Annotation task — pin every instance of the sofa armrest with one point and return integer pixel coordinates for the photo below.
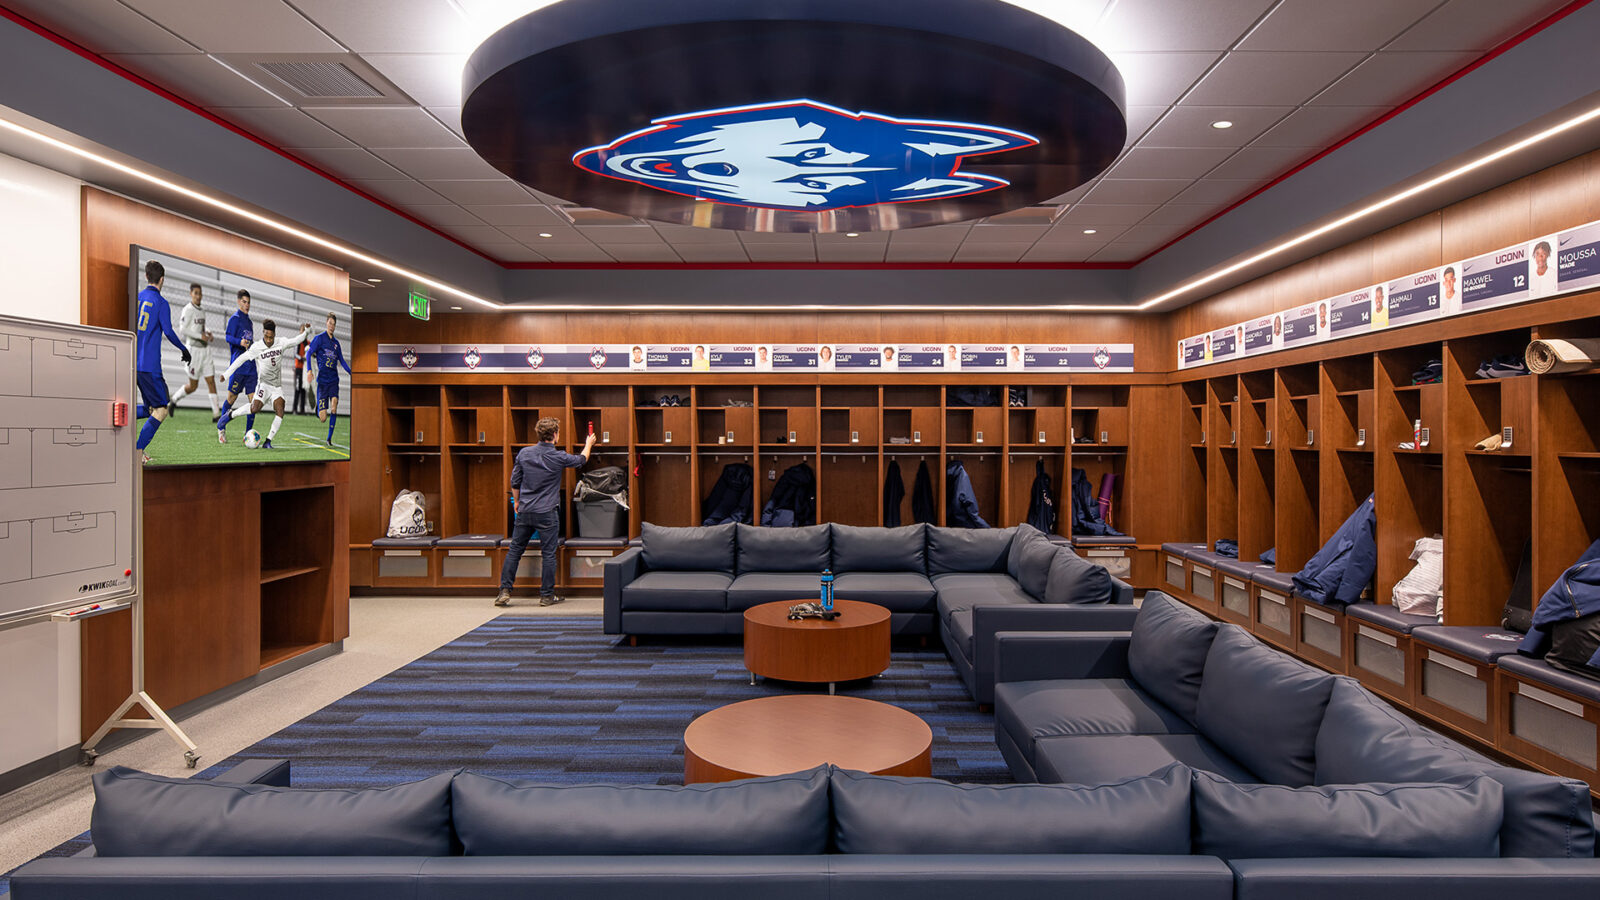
(274, 772)
(1407, 879)
(619, 572)
(1121, 592)
(987, 621)
(1050, 655)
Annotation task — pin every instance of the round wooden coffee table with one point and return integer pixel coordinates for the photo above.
(795, 732)
(855, 645)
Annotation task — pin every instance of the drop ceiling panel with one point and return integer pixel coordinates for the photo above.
(204, 81)
(830, 252)
(918, 253)
(1215, 192)
(450, 117)
(1159, 79)
(994, 234)
(1183, 214)
(387, 127)
(503, 192)
(431, 79)
(513, 253)
(406, 194)
(284, 126)
(935, 234)
(440, 164)
(609, 235)
(683, 235)
(1260, 164)
(971, 252)
(1149, 190)
(1190, 126)
(1474, 24)
(1270, 79)
(576, 253)
(446, 214)
(1168, 26)
(1318, 126)
(476, 234)
(1120, 253)
(106, 26)
(1388, 78)
(239, 26)
(391, 26)
(711, 253)
(1169, 162)
(355, 164)
(780, 252)
(768, 237)
(1101, 215)
(1074, 233)
(1346, 25)
(642, 253)
(1140, 118)
(531, 217)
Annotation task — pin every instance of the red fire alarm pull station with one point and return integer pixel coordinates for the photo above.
(119, 413)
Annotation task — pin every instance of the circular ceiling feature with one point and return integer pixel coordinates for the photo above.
(794, 115)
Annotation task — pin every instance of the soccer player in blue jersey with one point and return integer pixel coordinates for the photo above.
(154, 320)
(328, 355)
(241, 333)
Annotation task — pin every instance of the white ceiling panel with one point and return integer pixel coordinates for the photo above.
(559, 234)
(1215, 192)
(1169, 162)
(504, 192)
(683, 235)
(450, 116)
(781, 252)
(831, 252)
(197, 78)
(1190, 126)
(1260, 164)
(441, 164)
(1120, 253)
(1159, 79)
(1140, 118)
(391, 26)
(1113, 191)
(1150, 235)
(611, 235)
(971, 252)
(994, 234)
(918, 253)
(751, 238)
(1270, 79)
(932, 234)
(1060, 252)
(476, 234)
(1474, 24)
(283, 126)
(1318, 126)
(441, 213)
(1073, 233)
(431, 79)
(1100, 215)
(532, 217)
(405, 193)
(104, 26)
(1074, 195)
(513, 253)
(353, 164)
(642, 253)
(575, 253)
(711, 253)
(387, 127)
(1346, 25)
(1184, 214)
(239, 26)
(1185, 25)
(1389, 78)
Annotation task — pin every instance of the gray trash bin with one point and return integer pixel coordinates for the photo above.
(601, 518)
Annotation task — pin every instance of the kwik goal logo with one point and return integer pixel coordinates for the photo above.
(804, 155)
(99, 586)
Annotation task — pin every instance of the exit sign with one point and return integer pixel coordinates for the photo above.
(418, 307)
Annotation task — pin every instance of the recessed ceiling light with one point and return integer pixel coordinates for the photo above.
(852, 234)
(455, 307)
(1222, 123)
(375, 281)
(545, 234)
(355, 307)
(1089, 230)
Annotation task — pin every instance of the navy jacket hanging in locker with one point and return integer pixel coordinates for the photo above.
(1086, 508)
(1566, 623)
(962, 502)
(794, 499)
(924, 509)
(894, 491)
(1041, 502)
(729, 500)
(1344, 567)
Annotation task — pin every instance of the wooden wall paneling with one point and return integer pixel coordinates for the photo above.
(1343, 269)
(366, 444)
(1222, 467)
(1566, 474)
(1487, 221)
(1564, 195)
(1298, 458)
(1257, 464)
(1408, 247)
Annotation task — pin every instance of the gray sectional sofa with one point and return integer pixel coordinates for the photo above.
(1088, 708)
(826, 833)
(701, 580)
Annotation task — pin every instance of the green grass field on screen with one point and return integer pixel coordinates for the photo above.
(189, 438)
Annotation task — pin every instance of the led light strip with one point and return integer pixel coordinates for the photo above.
(419, 278)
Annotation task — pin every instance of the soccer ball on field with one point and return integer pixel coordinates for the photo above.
(252, 439)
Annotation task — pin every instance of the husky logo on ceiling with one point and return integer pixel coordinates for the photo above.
(803, 155)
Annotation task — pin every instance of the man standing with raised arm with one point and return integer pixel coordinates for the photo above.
(536, 491)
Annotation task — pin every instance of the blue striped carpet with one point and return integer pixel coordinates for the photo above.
(553, 699)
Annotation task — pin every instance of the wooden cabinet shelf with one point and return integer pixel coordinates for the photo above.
(270, 575)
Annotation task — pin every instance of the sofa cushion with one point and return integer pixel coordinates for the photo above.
(1262, 707)
(1073, 579)
(778, 815)
(1364, 739)
(1106, 758)
(677, 592)
(959, 623)
(879, 814)
(960, 591)
(756, 588)
(894, 591)
(1270, 821)
(1167, 655)
(968, 549)
(861, 549)
(785, 549)
(138, 814)
(700, 549)
(1029, 561)
(1030, 710)
(1482, 643)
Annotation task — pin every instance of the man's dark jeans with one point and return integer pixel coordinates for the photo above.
(548, 524)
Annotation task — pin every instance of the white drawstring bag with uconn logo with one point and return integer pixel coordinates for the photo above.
(408, 517)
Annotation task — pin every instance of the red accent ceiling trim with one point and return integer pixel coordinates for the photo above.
(1448, 80)
(110, 66)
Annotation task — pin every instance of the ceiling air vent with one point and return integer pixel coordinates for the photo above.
(321, 80)
(1028, 215)
(583, 215)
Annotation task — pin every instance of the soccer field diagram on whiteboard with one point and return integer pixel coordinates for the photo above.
(69, 501)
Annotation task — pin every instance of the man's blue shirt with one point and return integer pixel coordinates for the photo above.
(154, 320)
(241, 334)
(326, 351)
(536, 476)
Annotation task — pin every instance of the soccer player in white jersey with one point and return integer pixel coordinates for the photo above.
(192, 328)
(267, 354)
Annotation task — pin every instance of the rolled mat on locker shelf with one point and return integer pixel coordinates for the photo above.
(1554, 356)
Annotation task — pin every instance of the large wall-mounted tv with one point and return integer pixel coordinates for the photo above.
(311, 385)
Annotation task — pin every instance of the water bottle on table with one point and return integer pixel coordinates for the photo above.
(827, 590)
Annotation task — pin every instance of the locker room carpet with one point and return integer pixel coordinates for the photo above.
(553, 699)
